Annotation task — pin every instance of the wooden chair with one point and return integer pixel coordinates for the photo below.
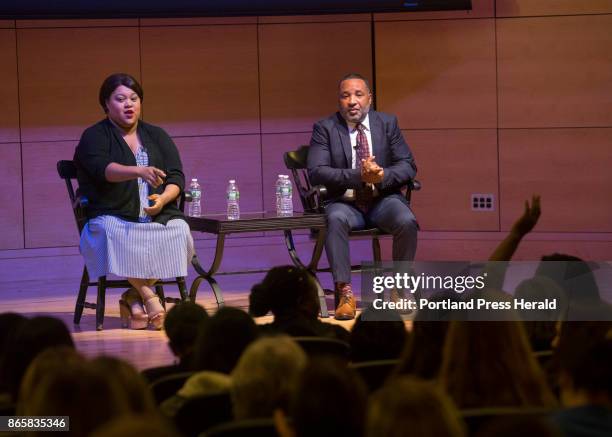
(68, 172)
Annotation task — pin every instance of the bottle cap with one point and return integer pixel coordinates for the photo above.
(232, 181)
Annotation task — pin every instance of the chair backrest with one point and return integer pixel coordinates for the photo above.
(375, 373)
(203, 412)
(68, 172)
(318, 346)
(478, 418)
(167, 386)
(244, 428)
(296, 161)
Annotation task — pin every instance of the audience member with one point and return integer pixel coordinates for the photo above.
(130, 382)
(150, 425)
(290, 293)
(409, 406)
(586, 391)
(181, 325)
(490, 364)
(266, 377)
(422, 354)
(377, 335)
(9, 325)
(220, 343)
(33, 336)
(329, 400)
(76, 389)
(573, 275)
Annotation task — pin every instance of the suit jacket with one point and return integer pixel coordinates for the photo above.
(330, 155)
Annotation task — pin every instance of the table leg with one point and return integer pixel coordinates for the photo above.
(208, 274)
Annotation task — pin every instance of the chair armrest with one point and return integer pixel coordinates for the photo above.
(315, 197)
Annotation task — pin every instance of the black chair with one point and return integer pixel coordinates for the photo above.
(322, 346)
(68, 172)
(244, 428)
(479, 418)
(203, 412)
(375, 373)
(313, 197)
(167, 386)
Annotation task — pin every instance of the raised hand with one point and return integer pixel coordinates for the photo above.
(530, 217)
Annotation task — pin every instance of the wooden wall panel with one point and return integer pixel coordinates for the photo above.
(215, 160)
(60, 73)
(480, 9)
(9, 110)
(515, 8)
(300, 66)
(48, 216)
(201, 80)
(7, 24)
(569, 168)
(555, 72)
(11, 218)
(437, 74)
(453, 164)
(273, 148)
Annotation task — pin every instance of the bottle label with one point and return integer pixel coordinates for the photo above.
(233, 195)
(196, 194)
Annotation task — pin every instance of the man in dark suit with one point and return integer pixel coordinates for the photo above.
(363, 160)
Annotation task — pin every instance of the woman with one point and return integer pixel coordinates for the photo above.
(131, 174)
(290, 293)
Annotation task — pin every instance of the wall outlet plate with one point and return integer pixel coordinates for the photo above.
(483, 202)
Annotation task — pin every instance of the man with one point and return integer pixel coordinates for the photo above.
(363, 160)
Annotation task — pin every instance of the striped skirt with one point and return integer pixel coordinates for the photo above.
(136, 250)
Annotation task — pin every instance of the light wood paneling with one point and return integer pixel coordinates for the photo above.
(9, 110)
(111, 22)
(515, 8)
(569, 168)
(555, 72)
(274, 146)
(60, 73)
(201, 80)
(300, 67)
(215, 160)
(330, 18)
(437, 74)
(480, 9)
(452, 165)
(48, 216)
(11, 218)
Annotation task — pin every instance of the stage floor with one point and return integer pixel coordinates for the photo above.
(144, 348)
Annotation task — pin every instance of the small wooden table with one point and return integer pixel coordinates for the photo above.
(219, 225)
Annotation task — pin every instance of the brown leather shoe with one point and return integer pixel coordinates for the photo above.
(346, 308)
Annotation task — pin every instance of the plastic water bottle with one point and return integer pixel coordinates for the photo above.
(233, 195)
(195, 206)
(279, 183)
(286, 197)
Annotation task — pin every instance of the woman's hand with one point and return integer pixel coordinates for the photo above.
(157, 206)
(152, 176)
(530, 217)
